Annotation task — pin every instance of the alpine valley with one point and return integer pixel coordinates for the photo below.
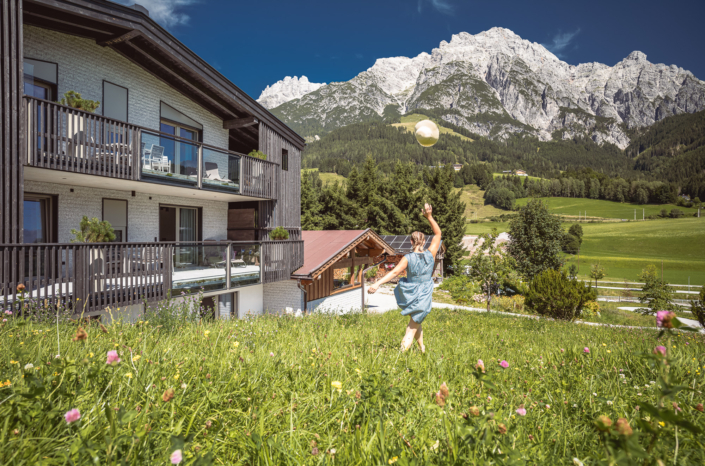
(495, 84)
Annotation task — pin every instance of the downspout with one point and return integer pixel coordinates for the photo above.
(303, 288)
(384, 258)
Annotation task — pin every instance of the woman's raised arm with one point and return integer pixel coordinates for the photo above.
(436, 241)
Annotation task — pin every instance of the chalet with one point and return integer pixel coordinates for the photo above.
(161, 153)
(457, 167)
(333, 274)
(520, 173)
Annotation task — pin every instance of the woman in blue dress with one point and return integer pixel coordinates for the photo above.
(414, 292)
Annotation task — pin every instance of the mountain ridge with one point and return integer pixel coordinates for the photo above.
(495, 83)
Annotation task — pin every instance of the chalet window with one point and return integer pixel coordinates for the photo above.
(40, 79)
(114, 101)
(40, 218)
(115, 212)
(285, 159)
(347, 277)
(182, 156)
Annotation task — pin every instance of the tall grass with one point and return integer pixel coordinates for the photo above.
(264, 391)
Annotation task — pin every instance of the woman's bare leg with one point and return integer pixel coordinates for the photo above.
(419, 338)
(410, 335)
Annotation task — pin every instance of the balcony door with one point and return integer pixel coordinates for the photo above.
(180, 224)
(180, 155)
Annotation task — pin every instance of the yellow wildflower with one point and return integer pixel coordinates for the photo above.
(236, 344)
(337, 385)
(136, 358)
(128, 375)
(176, 377)
(91, 355)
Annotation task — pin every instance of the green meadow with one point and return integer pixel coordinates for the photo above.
(598, 208)
(325, 390)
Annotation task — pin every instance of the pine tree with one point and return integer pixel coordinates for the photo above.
(338, 212)
(407, 191)
(310, 205)
(448, 211)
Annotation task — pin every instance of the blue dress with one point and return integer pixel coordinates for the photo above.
(415, 292)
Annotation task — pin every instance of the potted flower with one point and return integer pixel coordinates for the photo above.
(95, 231)
(77, 123)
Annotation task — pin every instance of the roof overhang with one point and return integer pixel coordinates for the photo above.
(139, 38)
(367, 238)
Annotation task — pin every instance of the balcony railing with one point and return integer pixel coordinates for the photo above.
(90, 277)
(64, 138)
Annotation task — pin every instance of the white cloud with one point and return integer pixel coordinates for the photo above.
(165, 12)
(442, 6)
(560, 42)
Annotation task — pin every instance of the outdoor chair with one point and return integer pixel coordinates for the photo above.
(160, 161)
(212, 173)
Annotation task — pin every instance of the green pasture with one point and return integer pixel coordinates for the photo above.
(329, 389)
(598, 208)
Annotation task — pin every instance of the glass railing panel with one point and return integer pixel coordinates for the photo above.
(198, 267)
(245, 265)
(221, 170)
(169, 158)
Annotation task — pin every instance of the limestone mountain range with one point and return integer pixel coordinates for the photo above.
(495, 83)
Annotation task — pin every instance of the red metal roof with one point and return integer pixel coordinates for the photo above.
(321, 246)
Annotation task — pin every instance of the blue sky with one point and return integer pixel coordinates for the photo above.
(256, 43)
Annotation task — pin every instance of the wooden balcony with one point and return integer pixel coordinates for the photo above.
(64, 138)
(87, 278)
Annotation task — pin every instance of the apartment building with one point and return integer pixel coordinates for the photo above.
(163, 157)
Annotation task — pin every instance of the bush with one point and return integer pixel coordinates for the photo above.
(553, 294)
(571, 244)
(591, 309)
(461, 288)
(258, 155)
(577, 231)
(509, 303)
(676, 213)
(279, 233)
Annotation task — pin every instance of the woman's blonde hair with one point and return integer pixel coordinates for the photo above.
(417, 239)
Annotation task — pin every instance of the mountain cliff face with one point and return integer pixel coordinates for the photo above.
(285, 90)
(495, 83)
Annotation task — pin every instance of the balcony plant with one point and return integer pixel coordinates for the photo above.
(258, 155)
(73, 99)
(93, 231)
(279, 233)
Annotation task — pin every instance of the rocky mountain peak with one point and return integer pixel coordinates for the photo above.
(636, 56)
(285, 90)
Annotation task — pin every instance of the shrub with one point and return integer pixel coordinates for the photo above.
(591, 309)
(676, 213)
(73, 99)
(258, 155)
(577, 231)
(571, 244)
(461, 288)
(698, 307)
(509, 303)
(553, 294)
(279, 233)
(93, 231)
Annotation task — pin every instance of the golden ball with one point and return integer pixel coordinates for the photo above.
(426, 133)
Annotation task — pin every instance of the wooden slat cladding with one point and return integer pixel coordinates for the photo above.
(84, 277)
(281, 259)
(64, 138)
(288, 199)
(259, 178)
(11, 122)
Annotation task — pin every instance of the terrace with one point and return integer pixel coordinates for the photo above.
(89, 277)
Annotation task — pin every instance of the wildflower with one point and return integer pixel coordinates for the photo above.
(548, 406)
(603, 423)
(664, 319)
(609, 402)
(577, 462)
(128, 375)
(586, 350)
(393, 460)
(113, 357)
(20, 288)
(699, 407)
(176, 377)
(336, 385)
(521, 411)
(236, 344)
(28, 366)
(136, 358)
(184, 386)
(168, 395)
(504, 364)
(480, 366)
(622, 427)
(13, 362)
(444, 390)
(8, 313)
(562, 350)
(440, 401)
(80, 335)
(72, 416)
(660, 350)
(175, 457)
(502, 429)
(314, 451)
(271, 354)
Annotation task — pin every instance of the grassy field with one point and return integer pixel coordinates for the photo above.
(475, 206)
(327, 177)
(597, 208)
(625, 248)
(408, 122)
(336, 390)
(496, 175)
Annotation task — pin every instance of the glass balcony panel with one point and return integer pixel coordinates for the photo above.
(169, 158)
(198, 267)
(221, 170)
(245, 265)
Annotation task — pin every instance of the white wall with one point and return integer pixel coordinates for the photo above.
(142, 213)
(280, 295)
(250, 301)
(339, 303)
(83, 65)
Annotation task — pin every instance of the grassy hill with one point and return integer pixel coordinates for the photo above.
(624, 248)
(475, 206)
(408, 122)
(597, 208)
(326, 177)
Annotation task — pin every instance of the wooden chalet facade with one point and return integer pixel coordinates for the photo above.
(163, 158)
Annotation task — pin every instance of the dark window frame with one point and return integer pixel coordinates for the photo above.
(127, 215)
(54, 87)
(52, 212)
(285, 160)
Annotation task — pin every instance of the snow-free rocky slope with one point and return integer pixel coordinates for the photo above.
(495, 83)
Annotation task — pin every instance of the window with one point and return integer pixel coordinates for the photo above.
(114, 101)
(115, 212)
(285, 159)
(39, 218)
(40, 79)
(347, 277)
(182, 156)
(178, 223)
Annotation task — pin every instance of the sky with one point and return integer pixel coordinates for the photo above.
(256, 43)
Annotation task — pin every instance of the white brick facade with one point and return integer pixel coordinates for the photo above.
(83, 65)
(339, 303)
(280, 295)
(142, 213)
